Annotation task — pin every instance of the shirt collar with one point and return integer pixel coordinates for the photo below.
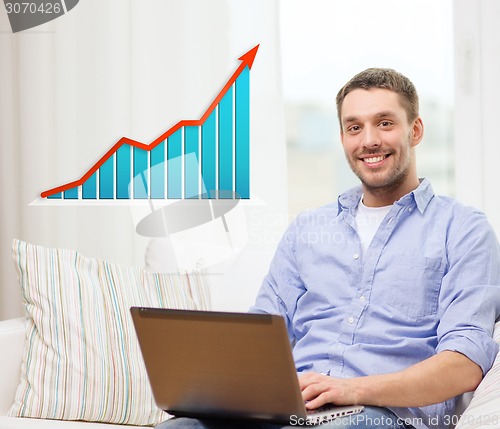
(421, 197)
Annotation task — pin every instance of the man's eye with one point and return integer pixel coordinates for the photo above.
(386, 123)
(354, 128)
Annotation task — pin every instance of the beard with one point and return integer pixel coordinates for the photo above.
(386, 185)
(384, 182)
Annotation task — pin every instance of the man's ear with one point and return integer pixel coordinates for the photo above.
(417, 131)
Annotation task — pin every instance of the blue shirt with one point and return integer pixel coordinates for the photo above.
(429, 281)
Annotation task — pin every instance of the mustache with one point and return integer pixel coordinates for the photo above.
(375, 152)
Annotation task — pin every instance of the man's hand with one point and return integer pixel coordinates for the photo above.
(431, 381)
(318, 389)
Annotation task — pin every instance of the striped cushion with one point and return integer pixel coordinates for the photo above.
(484, 409)
(82, 360)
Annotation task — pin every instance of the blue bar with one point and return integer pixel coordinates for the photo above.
(89, 188)
(242, 134)
(71, 194)
(174, 165)
(57, 196)
(226, 145)
(208, 173)
(140, 167)
(107, 179)
(191, 163)
(157, 171)
(123, 172)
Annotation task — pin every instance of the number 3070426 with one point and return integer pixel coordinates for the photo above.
(26, 8)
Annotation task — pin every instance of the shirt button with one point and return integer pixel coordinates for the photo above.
(355, 256)
(410, 209)
(362, 298)
(350, 320)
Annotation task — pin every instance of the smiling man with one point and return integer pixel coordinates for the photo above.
(390, 294)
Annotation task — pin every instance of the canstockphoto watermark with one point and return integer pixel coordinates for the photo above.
(307, 238)
(28, 14)
(357, 419)
(482, 420)
(308, 228)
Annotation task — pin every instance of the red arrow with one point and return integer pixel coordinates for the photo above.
(246, 61)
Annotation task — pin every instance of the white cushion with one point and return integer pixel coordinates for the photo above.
(484, 409)
(82, 360)
(160, 256)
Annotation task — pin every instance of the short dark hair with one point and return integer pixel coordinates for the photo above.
(382, 78)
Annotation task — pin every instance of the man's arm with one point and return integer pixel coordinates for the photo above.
(433, 380)
(473, 277)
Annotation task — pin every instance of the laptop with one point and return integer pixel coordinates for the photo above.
(206, 364)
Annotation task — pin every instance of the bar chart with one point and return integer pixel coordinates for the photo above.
(208, 158)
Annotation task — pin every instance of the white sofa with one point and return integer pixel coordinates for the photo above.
(11, 350)
(483, 412)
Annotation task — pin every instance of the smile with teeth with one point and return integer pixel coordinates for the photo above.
(374, 159)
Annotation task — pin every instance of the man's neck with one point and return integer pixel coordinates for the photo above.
(379, 197)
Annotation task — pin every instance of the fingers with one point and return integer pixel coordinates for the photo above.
(307, 378)
(315, 389)
(319, 401)
(316, 395)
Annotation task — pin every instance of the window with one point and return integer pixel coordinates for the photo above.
(324, 44)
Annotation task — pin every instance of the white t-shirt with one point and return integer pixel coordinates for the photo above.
(368, 219)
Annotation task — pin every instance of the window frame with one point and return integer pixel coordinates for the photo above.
(477, 90)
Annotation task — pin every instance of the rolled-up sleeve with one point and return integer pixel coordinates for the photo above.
(470, 291)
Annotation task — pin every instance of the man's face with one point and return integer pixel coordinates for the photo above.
(378, 140)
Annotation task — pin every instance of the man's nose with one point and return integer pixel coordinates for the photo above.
(371, 137)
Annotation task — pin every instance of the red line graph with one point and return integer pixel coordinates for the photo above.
(246, 61)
